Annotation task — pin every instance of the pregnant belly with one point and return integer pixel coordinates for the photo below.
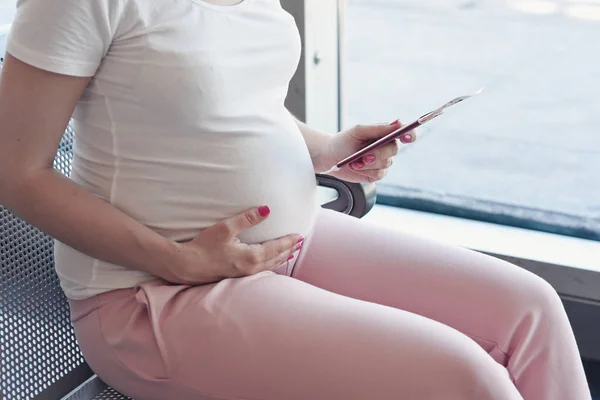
(180, 198)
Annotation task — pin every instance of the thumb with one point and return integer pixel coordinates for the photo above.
(374, 132)
(246, 220)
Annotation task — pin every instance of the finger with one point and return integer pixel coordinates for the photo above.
(378, 159)
(250, 260)
(267, 264)
(374, 175)
(282, 258)
(383, 163)
(372, 132)
(237, 224)
(277, 247)
(255, 258)
(409, 137)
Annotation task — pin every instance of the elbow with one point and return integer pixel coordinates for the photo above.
(6, 172)
(18, 175)
(13, 181)
(6, 185)
(5, 180)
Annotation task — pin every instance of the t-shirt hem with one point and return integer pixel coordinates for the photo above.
(49, 63)
(83, 293)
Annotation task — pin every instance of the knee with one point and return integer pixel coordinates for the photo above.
(539, 298)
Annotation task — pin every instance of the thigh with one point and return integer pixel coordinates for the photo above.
(272, 337)
(479, 295)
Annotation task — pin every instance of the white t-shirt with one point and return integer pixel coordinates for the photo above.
(183, 123)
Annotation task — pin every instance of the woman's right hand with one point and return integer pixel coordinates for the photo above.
(217, 253)
(33, 190)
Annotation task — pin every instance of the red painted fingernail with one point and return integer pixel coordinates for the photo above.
(369, 159)
(301, 240)
(396, 122)
(299, 247)
(264, 211)
(406, 139)
(359, 165)
(290, 257)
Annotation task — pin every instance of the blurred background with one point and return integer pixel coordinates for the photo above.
(7, 11)
(524, 153)
(527, 151)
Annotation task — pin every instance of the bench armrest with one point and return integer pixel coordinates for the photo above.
(355, 199)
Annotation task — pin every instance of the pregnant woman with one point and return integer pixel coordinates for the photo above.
(196, 260)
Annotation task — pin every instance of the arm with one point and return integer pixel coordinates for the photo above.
(327, 149)
(317, 143)
(35, 107)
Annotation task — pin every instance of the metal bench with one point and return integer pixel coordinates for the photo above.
(40, 358)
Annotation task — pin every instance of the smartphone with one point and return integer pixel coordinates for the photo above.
(403, 130)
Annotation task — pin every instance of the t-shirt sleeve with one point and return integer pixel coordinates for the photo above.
(68, 37)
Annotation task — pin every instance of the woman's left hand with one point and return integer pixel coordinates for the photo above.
(373, 166)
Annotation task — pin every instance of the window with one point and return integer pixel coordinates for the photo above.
(7, 10)
(524, 153)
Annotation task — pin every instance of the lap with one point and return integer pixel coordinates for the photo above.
(371, 314)
(469, 291)
(271, 337)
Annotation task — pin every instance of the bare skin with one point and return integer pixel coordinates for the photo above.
(35, 107)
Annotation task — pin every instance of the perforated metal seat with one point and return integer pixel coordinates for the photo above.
(39, 355)
(110, 394)
(39, 352)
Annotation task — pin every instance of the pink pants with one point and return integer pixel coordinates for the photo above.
(366, 314)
